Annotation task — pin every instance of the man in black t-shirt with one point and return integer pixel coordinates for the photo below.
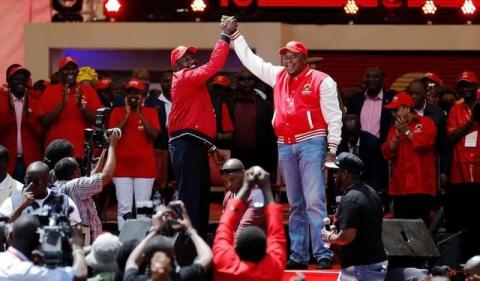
(359, 222)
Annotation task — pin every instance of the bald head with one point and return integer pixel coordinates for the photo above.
(25, 237)
(472, 268)
(232, 174)
(36, 179)
(233, 163)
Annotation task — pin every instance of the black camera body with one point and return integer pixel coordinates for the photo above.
(55, 233)
(101, 123)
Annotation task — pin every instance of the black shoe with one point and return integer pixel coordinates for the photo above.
(291, 264)
(324, 264)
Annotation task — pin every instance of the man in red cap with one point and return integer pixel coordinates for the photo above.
(20, 131)
(410, 147)
(463, 130)
(68, 108)
(432, 82)
(308, 122)
(191, 125)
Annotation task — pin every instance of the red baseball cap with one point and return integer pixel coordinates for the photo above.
(67, 60)
(136, 84)
(432, 76)
(221, 80)
(294, 47)
(400, 99)
(103, 83)
(467, 76)
(179, 51)
(18, 69)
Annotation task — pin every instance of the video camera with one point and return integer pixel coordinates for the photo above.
(55, 233)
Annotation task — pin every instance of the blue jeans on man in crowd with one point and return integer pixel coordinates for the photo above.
(369, 272)
(301, 167)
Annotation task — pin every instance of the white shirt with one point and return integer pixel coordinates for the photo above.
(18, 103)
(168, 106)
(421, 111)
(15, 266)
(7, 208)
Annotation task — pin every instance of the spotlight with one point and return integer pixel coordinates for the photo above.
(351, 7)
(429, 7)
(198, 6)
(67, 10)
(468, 8)
(112, 9)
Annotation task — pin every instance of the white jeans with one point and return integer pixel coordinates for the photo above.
(128, 188)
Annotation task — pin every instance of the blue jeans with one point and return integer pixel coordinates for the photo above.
(301, 167)
(369, 272)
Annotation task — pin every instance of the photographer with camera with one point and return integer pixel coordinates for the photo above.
(82, 189)
(254, 255)
(158, 252)
(135, 171)
(17, 263)
(36, 195)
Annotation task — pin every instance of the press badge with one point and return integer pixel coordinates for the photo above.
(471, 139)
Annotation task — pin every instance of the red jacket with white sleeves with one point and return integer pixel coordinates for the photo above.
(414, 168)
(306, 105)
(192, 110)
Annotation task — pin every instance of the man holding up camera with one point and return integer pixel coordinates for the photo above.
(159, 253)
(81, 189)
(16, 263)
(68, 108)
(254, 255)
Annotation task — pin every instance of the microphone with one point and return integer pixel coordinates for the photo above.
(326, 223)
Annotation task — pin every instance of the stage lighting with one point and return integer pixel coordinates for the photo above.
(468, 8)
(351, 7)
(198, 6)
(429, 7)
(112, 9)
(67, 10)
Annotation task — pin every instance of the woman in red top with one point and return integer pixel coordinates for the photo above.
(135, 171)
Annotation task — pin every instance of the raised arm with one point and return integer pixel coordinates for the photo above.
(265, 71)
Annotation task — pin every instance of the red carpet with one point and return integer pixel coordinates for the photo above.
(313, 275)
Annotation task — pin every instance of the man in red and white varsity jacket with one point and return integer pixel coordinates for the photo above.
(307, 121)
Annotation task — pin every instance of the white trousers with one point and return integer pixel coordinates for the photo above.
(127, 189)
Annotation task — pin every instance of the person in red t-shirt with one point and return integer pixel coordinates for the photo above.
(410, 147)
(255, 255)
(68, 108)
(135, 171)
(463, 193)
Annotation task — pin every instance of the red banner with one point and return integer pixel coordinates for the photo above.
(297, 3)
(442, 3)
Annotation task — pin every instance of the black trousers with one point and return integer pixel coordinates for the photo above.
(190, 166)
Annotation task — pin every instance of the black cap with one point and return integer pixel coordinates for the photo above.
(347, 161)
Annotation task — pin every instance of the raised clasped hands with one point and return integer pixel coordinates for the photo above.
(228, 24)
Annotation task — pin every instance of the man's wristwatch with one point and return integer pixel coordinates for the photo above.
(407, 133)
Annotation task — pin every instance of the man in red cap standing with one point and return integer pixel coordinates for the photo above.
(463, 194)
(308, 122)
(410, 147)
(20, 130)
(191, 125)
(68, 108)
(218, 90)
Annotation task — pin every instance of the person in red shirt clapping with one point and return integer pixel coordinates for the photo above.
(135, 171)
